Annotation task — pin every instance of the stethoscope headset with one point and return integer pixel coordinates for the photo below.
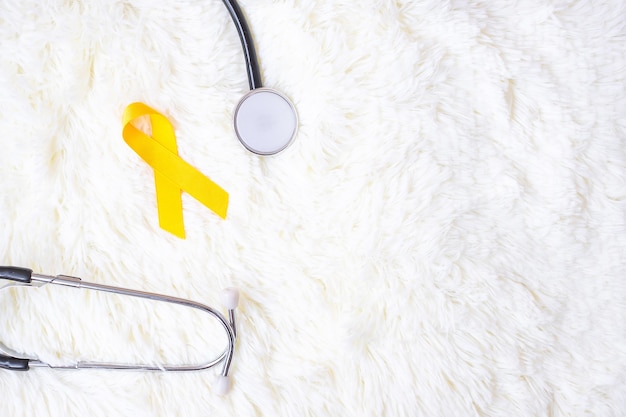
(265, 120)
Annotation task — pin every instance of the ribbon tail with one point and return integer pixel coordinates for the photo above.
(169, 205)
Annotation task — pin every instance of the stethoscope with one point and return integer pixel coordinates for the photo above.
(265, 120)
(11, 276)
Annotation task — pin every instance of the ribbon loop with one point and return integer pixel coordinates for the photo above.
(172, 175)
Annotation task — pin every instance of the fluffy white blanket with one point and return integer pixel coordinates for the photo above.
(445, 237)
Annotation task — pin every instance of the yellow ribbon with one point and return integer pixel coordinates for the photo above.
(172, 175)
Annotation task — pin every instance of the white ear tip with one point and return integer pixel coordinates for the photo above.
(222, 385)
(230, 298)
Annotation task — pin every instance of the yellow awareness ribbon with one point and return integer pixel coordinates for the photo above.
(172, 175)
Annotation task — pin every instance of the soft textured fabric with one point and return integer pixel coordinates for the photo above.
(445, 237)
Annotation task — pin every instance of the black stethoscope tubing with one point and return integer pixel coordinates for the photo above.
(252, 62)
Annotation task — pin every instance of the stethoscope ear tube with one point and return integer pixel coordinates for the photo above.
(14, 364)
(14, 273)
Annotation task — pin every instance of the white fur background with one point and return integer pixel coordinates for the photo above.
(445, 237)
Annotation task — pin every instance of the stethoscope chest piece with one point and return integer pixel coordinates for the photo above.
(265, 121)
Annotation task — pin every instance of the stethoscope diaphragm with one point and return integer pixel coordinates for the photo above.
(265, 121)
